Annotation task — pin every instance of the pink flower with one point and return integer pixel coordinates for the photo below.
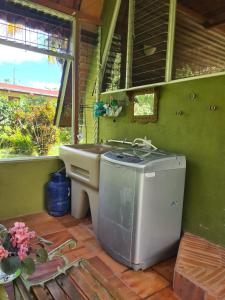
(3, 253)
(23, 250)
(32, 234)
(19, 225)
(20, 237)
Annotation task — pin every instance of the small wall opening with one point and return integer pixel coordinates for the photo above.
(85, 198)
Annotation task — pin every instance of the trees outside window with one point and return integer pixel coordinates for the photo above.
(27, 129)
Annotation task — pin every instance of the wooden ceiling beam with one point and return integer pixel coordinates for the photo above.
(215, 20)
(87, 18)
(82, 16)
(53, 5)
(190, 13)
(206, 21)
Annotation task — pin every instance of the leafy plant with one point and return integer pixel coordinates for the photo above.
(26, 127)
(65, 135)
(21, 143)
(37, 121)
(16, 251)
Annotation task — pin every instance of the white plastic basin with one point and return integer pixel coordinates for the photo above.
(82, 162)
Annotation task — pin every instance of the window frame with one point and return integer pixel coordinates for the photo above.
(70, 58)
(144, 118)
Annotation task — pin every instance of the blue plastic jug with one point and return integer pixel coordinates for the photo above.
(58, 195)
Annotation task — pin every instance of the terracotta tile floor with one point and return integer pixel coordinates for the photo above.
(99, 276)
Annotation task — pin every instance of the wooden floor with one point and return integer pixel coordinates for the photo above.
(99, 276)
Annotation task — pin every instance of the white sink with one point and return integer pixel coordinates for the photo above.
(82, 162)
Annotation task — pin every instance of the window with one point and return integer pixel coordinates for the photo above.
(34, 48)
(115, 69)
(144, 105)
(34, 29)
(168, 40)
(139, 47)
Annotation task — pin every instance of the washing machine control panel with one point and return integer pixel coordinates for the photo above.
(141, 156)
(125, 157)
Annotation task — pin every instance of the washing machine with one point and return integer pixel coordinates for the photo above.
(140, 208)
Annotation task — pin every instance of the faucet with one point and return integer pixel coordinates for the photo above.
(145, 142)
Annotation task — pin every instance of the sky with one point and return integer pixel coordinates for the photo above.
(28, 68)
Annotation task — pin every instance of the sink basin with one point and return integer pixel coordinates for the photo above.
(93, 148)
(82, 162)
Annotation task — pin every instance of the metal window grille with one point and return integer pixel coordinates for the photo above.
(115, 70)
(151, 20)
(34, 30)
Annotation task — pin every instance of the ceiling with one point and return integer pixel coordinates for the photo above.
(87, 10)
(210, 13)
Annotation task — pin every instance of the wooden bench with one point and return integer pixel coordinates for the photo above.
(200, 270)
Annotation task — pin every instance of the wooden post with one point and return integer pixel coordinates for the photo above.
(75, 81)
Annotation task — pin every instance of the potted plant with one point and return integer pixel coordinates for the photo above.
(20, 250)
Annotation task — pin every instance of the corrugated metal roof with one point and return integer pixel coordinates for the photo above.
(28, 90)
(199, 38)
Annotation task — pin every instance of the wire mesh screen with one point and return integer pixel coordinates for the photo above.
(198, 50)
(150, 41)
(87, 79)
(115, 71)
(23, 25)
(87, 82)
(33, 37)
(112, 76)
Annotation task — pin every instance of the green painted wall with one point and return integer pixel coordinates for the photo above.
(22, 186)
(199, 134)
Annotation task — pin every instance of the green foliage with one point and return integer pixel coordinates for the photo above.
(3, 232)
(7, 113)
(41, 255)
(21, 143)
(8, 245)
(65, 135)
(144, 104)
(13, 261)
(26, 128)
(5, 141)
(10, 264)
(28, 266)
(37, 121)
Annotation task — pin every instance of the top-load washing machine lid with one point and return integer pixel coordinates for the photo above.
(145, 158)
